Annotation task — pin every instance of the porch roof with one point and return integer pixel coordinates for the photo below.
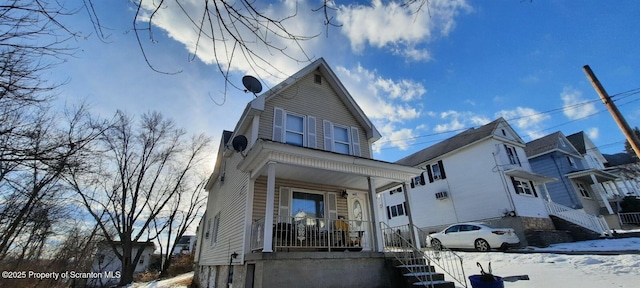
(585, 175)
(324, 167)
(539, 178)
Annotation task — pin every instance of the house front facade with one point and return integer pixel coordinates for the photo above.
(481, 175)
(292, 196)
(582, 183)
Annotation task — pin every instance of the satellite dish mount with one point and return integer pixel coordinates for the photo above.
(251, 84)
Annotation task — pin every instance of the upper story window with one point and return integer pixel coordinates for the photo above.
(436, 171)
(214, 229)
(512, 154)
(341, 142)
(572, 163)
(295, 129)
(341, 139)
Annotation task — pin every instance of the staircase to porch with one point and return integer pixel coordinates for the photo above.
(572, 218)
(421, 267)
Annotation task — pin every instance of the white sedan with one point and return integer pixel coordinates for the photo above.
(474, 236)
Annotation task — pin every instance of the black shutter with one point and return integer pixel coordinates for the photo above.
(515, 185)
(422, 179)
(515, 153)
(442, 174)
(388, 213)
(413, 184)
(533, 188)
(429, 173)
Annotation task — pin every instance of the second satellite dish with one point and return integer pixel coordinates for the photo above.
(239, 143)
(251, 84)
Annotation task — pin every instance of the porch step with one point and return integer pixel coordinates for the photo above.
(414, 275)
(436, 284)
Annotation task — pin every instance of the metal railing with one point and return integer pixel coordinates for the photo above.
(629, 218)
(420, 261)
(317, 234)
(594, 223)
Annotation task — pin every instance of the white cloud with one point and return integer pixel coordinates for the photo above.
(460, 120)
(273, 61)
(388, 102)
(394, 25)
(574, 106)
(593, 133)
(528, 120)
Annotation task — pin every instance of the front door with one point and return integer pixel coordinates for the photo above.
(360, 223)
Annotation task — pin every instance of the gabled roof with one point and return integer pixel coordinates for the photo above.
(321, 65)
(547, 144)
(577, 139)
(456, 142)
(619, 159)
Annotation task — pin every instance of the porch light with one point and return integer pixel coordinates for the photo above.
(344, 194)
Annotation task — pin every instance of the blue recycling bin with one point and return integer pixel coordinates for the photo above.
(478, 282)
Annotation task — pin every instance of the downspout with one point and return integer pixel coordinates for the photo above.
(504, 180)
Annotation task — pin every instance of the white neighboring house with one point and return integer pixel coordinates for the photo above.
(185, 245)
(478, 175)
(107, 264)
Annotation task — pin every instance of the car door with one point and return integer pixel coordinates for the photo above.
(450, 237)
(467, 235)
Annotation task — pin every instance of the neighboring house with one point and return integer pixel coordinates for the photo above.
(106, 266)
(185, 245)
(627, 169)
(582, 183)
(282, 210)
(480, 174)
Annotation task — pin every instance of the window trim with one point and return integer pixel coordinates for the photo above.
(303, 133)
(349, 142)
(512, 155)
(524, 187)
(215, 227)
(584, 192)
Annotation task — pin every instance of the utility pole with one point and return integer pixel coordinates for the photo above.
(617, 116)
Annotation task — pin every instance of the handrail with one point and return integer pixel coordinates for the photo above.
(396, 241)
(629, 218)
(588, 221)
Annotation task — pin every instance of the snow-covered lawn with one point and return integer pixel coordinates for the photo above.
(180, 281)
(550, 270)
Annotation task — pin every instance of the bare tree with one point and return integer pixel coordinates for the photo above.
(30, 192)
(137, 171)
(183, 210)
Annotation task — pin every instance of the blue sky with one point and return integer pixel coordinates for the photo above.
(420, 77)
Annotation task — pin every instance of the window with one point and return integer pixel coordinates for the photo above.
(317, 79)
(341, 143)
(452, 229)
(341, 139)
(571, 162)
(436, 171)
(396, 210)
(294, 130)
(512, 154)
(307, 205)
(523, 186)
(583, 190)
(214, 229)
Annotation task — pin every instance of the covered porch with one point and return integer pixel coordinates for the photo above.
(589, 184)
(304, 200)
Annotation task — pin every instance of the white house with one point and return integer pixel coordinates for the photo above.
(478, 175)
(185, 245)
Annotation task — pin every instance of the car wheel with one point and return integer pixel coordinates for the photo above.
(482, 245)
(436, 244)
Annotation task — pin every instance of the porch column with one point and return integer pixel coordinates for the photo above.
(268, 214)
(407, 206)
(546, 191)
(600, 192)
(373, 207)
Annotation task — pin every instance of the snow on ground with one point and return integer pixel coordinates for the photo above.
(175, 282)
(550, 269)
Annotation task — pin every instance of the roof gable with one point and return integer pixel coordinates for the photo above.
(552, 142)
(319, 66)
(461, 140)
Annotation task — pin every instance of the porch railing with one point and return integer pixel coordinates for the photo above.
(317, 234)
(588, 221)
(397, 242)
(629, 218)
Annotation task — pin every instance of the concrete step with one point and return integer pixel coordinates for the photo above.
(436, 284)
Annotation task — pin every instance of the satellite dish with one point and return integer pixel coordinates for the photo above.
(239, 143)
(251, 84)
